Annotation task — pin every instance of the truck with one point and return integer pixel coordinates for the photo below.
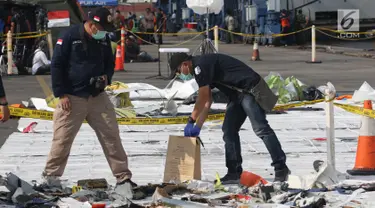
(325, 12)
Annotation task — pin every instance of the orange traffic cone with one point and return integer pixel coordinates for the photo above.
(364, 162)
(255, 56)
(119, 64)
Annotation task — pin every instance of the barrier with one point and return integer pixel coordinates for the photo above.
(9, 53)
(48, 115)
(216, 35)
(357, 110)
(256, 55)
(313, 46)
(364, 162)
(330, 93)
(122, 40)
(216, 29)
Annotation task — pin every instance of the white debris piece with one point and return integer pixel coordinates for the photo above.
(181, 90)
(365, 92)
(72, 203)
(327, 176)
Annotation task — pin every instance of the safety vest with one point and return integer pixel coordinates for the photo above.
(285, 22)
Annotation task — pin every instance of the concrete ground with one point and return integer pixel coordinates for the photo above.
(345, 72)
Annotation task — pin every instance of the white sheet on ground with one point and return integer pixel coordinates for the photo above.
(40, 104)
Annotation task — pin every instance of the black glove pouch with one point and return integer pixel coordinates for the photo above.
(97, 85)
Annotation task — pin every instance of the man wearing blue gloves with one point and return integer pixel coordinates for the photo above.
(249, 96)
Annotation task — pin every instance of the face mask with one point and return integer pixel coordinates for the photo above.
(99, 35)
(185, 77)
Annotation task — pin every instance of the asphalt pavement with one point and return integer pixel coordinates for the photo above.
(347, 73)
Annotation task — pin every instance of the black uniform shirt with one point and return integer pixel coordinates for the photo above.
(212, 69)
(76, 59)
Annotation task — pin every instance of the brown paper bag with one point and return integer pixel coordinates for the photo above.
(183, 161)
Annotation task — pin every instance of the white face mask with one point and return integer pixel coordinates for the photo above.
(185, 77)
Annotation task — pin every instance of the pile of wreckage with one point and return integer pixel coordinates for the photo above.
(325, 188)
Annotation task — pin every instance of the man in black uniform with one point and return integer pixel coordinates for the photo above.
(5, 114)
(82, 66)
(249, 97)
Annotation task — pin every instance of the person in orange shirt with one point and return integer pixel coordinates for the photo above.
(285, 26)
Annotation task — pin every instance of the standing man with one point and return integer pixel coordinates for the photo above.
(300, 24)
(161, 20)
(285, 27)
(249, 97)
(5, 114)
(229, 23)
(174, 21)
(149, 20)
(118, 22)
(82, 66)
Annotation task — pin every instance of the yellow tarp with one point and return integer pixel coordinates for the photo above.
(124, 97)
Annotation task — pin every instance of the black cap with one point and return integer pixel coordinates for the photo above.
(176, 59)
(103, 17)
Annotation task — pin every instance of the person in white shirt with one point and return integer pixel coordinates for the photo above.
(174, 21)
(41, 64)
(230, 24)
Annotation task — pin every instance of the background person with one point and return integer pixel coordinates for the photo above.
(230, 25)
(3, 104)
(285, 27)
(41, 64)
(161, 20)
(149, 25)
(134, 53)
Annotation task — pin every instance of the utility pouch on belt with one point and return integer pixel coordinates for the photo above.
(97, 85)
(262, 94)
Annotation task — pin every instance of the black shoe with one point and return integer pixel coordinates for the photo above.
(282, 175)
(230, 178)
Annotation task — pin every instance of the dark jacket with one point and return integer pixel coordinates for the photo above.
(2, 91)
(76, 59)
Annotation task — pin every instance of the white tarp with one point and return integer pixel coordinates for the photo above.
(181, 90)
(200, 6)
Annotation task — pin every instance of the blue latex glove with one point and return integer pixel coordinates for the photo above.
(191, 130)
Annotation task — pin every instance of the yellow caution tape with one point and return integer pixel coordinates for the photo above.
(48, 115)
(294, 105)
(18, 34)
(357, 110)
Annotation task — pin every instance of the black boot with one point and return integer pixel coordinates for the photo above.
(230, 178)
(282, 175)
